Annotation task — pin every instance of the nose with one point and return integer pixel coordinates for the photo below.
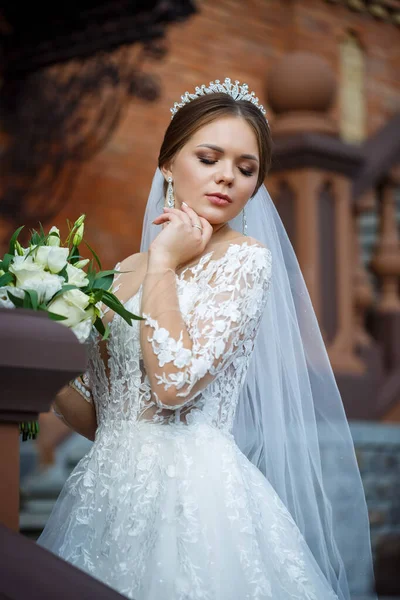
(225, 174)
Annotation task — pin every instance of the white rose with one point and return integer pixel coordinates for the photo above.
(54, 240)
(52, 257)
(72, 305)
(82, 329)
(31, 276)
(5, 301)
(24, 268)
(76, 276)
(44, 284)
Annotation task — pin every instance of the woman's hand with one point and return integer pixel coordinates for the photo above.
(184, 236)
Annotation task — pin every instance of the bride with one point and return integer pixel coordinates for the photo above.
(222, 466)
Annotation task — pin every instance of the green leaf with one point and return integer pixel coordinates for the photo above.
(6, 279)
(35, 238)
(13, 239)
(27, 300)
(7, 260)
(28, 430)
(74, 255)
(40, 242)
(94, 254)
(100, 274)
(55, 317)
(103, 283)
(65, 288)
(91, 274)
(64, 273)
(99, 325)
(96, 295)
(34, 298)
(110, 300)
(18, 302)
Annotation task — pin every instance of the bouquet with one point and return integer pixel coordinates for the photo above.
(53, 277)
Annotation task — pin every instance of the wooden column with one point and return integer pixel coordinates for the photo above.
(386, 259)
(362, 287)
(9, 475)
(342, 351)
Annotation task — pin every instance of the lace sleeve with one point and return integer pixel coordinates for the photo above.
(225, 316)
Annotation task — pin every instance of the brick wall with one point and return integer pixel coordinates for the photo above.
(227, 38)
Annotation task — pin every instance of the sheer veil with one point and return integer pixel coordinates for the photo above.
(290, 420)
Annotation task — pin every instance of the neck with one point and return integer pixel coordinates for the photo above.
(217, 229)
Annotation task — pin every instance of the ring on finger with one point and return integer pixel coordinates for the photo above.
(198, 227)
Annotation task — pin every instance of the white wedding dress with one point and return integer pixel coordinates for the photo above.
(165, 505)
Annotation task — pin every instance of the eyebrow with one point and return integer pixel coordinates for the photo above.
(221, 150)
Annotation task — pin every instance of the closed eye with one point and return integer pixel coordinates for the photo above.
(208, 161)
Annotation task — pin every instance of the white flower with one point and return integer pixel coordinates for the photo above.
(76, 276)
(178, 379)
(24, 267)
(54, 240)
(5, 302)
(82, 330)
(164, 356)
(199, 367)
(182, 358)
(52, 257)
(31, 276)
(46, 285)
(219, 347)
(72, 305)
(220, 325)
(160, 335)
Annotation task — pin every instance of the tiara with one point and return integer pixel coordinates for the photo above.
(236, 91)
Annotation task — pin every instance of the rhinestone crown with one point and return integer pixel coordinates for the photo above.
(235, 90)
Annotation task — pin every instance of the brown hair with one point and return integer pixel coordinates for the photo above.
(205, 109)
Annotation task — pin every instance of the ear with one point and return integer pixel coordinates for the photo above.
(166, 171)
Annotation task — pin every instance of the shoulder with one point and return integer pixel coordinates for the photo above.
(250, 249)
(131, 270)
(133, 262)
(243, 259)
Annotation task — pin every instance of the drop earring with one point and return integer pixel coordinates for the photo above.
(244, 222)
(170, 198)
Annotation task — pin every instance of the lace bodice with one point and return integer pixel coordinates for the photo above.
(221, 303)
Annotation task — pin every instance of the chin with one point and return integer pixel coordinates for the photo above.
(215, 216)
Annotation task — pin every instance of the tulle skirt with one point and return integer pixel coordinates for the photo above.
(177, 512)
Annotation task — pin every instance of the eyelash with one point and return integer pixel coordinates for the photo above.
(207, 161)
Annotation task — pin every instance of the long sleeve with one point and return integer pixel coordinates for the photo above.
(225, 315)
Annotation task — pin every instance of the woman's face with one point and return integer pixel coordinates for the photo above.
(216, 172)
